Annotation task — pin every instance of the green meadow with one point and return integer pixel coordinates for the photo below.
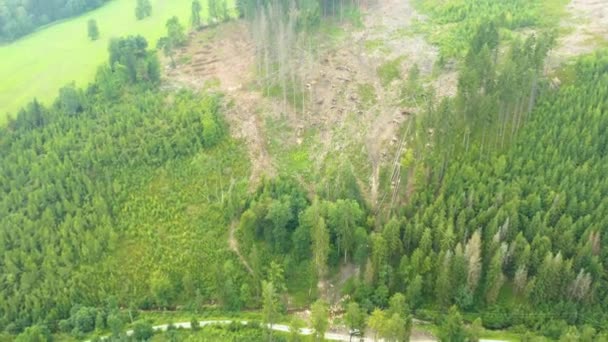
(37, 65)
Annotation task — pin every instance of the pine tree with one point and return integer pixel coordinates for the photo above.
(195, 16)
(319, 319)
(143, 9)
(93, 30)
(452, 328)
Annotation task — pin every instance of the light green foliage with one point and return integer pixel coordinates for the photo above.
(389, 71)
(452, 329)
(390, 325)
(216, 333)
(396, 329)
(344, 217)
(195, 16)
(35, 333)
(453, 22)
(115, 324)
(175, 32)
(355, 317)
(130, 59)
(175, 38)
(218, 10)
(377, 323)
(269, 303)
(571, 335)
(295, 325)
(319, 319)
(114, 192)
(412, 92)
(320, 237)
(194, 323)
(142, 331)
(475, 330)
(162, 288)
(367, 94)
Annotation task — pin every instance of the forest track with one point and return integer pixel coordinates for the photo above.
(331, 336)
(234, 246)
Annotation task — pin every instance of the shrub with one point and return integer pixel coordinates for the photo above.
(142, 331)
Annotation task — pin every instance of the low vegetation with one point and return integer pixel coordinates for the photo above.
(453, 23)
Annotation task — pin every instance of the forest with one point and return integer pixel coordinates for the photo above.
(65, 188)
(130, 197)
(18, 18)
(509, 228)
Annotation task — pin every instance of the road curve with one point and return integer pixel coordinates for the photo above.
(276, 327)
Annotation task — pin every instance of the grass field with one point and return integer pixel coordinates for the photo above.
(37, 65)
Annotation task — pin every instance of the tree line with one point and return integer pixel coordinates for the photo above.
(18, 18)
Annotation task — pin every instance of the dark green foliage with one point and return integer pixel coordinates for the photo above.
(510, 207)
(115, 324)
(278, 224)
(129, 56)
(175, 38)
(92, 29)
(194, 324)
(195, 16)
(66, 174)
(537, 200)
(143, 9)
(142, 331)
(82, 320)
(36, 333)
(18, 18)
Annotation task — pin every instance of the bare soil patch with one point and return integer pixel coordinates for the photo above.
(223, 58)
(345, 126)
(588, 23)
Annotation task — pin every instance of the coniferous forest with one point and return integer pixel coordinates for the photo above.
(130, 197)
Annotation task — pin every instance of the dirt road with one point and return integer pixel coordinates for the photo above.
(276, 327)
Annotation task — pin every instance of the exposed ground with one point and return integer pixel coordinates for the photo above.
(587, 27)
(349, 115)
(223, 59)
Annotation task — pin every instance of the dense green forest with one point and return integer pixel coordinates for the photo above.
(122, 197)
(18, 18)
(88, 206)
(506, 219)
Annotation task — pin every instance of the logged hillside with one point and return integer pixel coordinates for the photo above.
(353, 165)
